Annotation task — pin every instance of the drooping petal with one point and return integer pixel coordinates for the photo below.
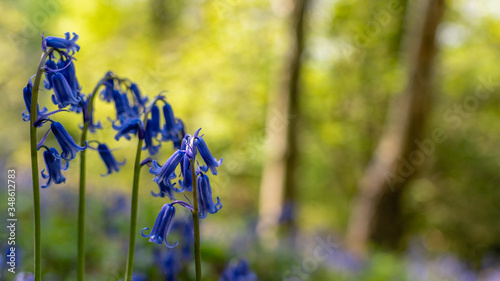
(53, 167)
(148, 139)
(107, 92)
(109, 159)
(65, 140)
(138, 100)
(155, 121)
(63, 94)
(27, 93)
(211, 162)
(163, 174)
(162, 226)
(169, 129)
(205, 200)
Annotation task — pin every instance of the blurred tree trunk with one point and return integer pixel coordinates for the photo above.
(377, 212)
(278, 184)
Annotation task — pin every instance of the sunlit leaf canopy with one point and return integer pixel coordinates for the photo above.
(219, 62)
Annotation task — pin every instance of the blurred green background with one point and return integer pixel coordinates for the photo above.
(219, 62)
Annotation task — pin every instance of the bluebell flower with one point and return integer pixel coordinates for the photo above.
(109, 159)
(121, 105)
(162, 226)
(187, 178)
(126, 103)
(61, 43)
(167, 188)
(131, 126)
(27, 93)
(54, 166)
(205, 200)
(155, 121)
(67, 69)
(49, 65)
(92, 127)
(140, 101)
(238, 271)
(63, 94)
(68, 145)
(211, 162)
(148, 139)
(109, 87)
(164, 173)
(178, 140)
(170, 129)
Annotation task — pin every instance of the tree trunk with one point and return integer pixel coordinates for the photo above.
(377, 213)
(278, 185)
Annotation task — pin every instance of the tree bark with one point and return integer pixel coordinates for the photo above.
(377, 213)
(278, 185)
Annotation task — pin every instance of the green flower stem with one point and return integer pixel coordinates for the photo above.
(196, 225)
(34, 168)
(80, 268)
(133, 213)
(135, 197)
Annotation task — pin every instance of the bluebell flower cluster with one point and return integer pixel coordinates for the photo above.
(117, 90)
(60, 77)
(238, 271)
(164, 175)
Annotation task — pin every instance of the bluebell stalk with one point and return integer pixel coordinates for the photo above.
(238, 271)
(108, 159)
(205, 200)
(49, 44)
(53, 167)
(163, 224)
(68, 145)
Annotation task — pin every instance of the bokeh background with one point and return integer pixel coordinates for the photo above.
(225, 65)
